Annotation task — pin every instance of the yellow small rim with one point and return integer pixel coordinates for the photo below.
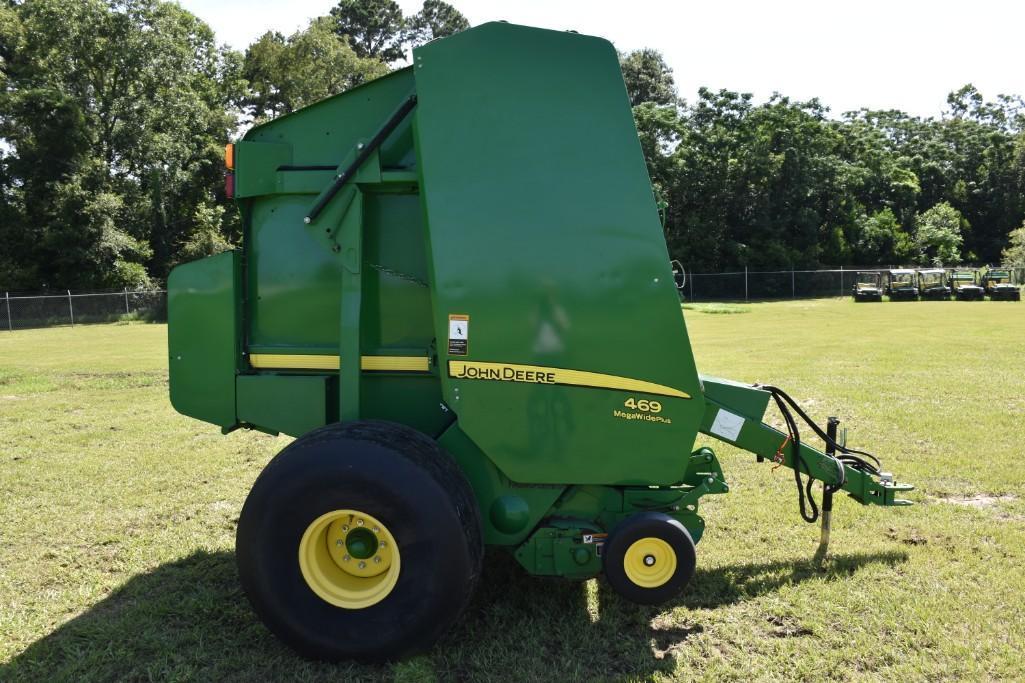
(649, 562)
(349, 559)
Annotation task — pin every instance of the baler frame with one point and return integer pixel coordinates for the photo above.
(417, 300)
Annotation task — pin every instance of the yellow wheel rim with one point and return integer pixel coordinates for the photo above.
(349, 559)
(649, 562)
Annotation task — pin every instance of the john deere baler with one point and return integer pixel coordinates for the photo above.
(454, 290)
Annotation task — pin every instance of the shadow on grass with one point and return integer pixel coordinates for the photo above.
(727, 585)
(189, 620)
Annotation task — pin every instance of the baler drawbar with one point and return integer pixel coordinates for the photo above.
(454, 290)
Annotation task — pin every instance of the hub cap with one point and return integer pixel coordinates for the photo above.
(649, 562)
(349, 559)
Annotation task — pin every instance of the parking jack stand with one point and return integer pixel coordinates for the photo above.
(827, 494)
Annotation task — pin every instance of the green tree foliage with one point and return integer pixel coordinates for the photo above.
(1014, 254)
(652, 92)
(113, 115)
(782, 183)
(658, 128)
(761, 186)
(113, 111)
(880, 239)
(437, 19)
(648, 78)
(207, 238)
(938, 235)
(374, 28)
(285, 74)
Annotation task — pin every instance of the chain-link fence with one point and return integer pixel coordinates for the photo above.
(21, 311)
(745, 285)
(750, 285)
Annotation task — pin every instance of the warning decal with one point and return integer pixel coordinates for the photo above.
(727, 425)
(458, 334)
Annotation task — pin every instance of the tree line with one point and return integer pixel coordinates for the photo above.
(782, 184)
(114, 114)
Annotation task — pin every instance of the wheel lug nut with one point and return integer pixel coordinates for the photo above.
(359, 522)
(376, 529)
(339, 542)
(346, 558)
(377, 559)
(345, 527)
(383, 543)
(362, 565)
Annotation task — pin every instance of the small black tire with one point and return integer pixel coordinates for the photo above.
(666, 553)
(394, 474)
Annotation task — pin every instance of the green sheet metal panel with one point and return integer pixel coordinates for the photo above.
(291, 404)
(293, 279)
(294, 282)
(542, 228)
(324, 132)
(202, 337)
(410, 399)
(743, 399)
(256, 167)
(396, 297)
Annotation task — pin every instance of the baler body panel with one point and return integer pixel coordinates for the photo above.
(322, 134)
(203, 315)
(543, 231)
(291, 330)
(294, 280)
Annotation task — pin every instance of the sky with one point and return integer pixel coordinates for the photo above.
(896, 54)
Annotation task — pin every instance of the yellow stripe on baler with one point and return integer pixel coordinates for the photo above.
(290, 361)
(403, 363)
(535, 374)
(508, 372)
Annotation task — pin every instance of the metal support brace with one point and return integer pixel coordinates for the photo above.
(363, 153)
(350, 239)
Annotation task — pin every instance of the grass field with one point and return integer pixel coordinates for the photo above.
(117, 522)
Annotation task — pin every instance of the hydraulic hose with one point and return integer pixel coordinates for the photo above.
(844, 457)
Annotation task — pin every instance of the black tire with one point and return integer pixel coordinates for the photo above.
(642, 526)
(398, 476)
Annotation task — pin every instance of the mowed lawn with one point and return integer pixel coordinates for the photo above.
(117, 521)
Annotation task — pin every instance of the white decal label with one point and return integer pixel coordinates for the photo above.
(727, 425)
(458, 334)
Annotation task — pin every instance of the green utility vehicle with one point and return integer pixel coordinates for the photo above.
(965, 285)
(999, 285)
(868, 286)
(932, 284)
(454, 289)
(901, 285)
